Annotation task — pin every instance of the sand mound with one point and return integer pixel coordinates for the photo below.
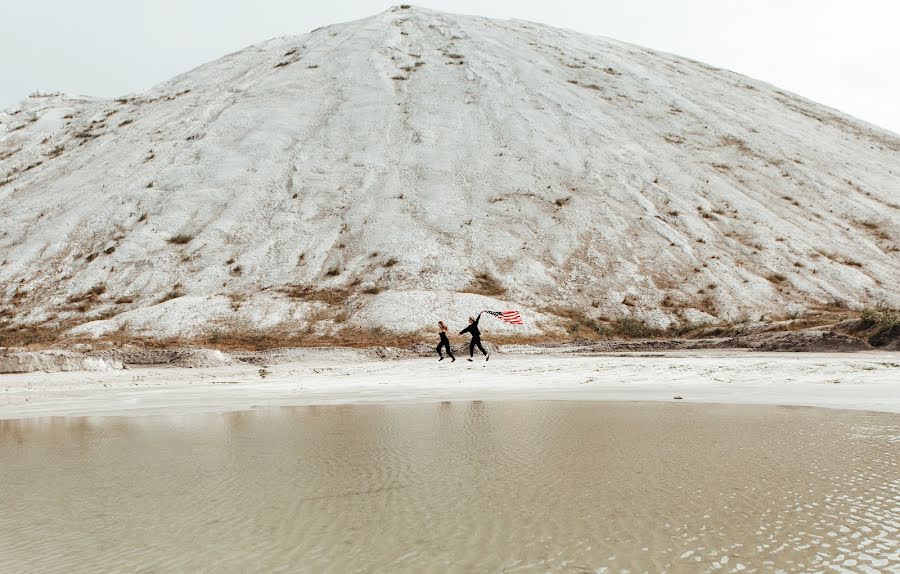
(202, 358)
(492, 164)
(133, 355)
(809, 340)
(53, 361)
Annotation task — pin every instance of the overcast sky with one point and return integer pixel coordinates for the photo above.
(840, 53)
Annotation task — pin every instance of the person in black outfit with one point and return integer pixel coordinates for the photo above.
(445, 343)
(472, 329)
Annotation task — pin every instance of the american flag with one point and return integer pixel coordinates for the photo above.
(511, 317)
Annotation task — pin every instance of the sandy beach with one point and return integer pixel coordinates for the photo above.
(863, 381)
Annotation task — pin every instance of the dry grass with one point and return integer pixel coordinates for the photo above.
(56, 151)
(181, 239)
(582, 327)
(237, 299)
(84, 302)
(485, 284)
(334, 296)
(176, 292)
(31, 336)
(881, 323)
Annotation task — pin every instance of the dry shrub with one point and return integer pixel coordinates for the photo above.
(83, 302)
(30, 336)
(579, 325)
(334, 296)
(630, 328)
(485, 284)
(181, 239)
(881, 323)
(176, 292)
(237, 299)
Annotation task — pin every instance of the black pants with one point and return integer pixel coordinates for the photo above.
(476, 342)
(444, 345)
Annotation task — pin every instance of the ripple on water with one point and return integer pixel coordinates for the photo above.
(463, 486)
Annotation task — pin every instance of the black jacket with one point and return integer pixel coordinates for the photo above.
(473, 329)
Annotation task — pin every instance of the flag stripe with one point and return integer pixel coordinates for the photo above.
(511, 317)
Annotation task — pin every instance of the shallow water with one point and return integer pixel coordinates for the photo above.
(463, 486)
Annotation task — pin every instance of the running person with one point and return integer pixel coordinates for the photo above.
(472, 329)
(445, 343)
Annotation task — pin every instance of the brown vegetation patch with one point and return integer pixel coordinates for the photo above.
(334, 296)
(56, 152)
(881, 325)
(485, 284)
(176, 292)
(181, 239)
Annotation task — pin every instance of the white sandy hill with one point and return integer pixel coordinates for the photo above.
(418, 165)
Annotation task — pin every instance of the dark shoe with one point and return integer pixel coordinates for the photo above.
(470, 360)
(441, 359)
(487, 357)
(453, 359)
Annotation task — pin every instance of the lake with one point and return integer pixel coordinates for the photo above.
(463, 486)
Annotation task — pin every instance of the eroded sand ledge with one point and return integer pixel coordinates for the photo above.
(869, 381)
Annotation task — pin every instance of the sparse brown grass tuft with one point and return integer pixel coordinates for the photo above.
(579, 325)
(176, 292)
(181, 239)
(334, 296)
(633, 329)
(485, 284)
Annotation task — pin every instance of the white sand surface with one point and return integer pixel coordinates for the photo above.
(869, 381)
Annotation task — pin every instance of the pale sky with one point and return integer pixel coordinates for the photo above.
(843, 53)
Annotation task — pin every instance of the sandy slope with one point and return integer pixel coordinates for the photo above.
(858, 381)
(417, 165)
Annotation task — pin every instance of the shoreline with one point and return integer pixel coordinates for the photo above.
(858, 381)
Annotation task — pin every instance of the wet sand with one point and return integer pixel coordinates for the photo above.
(458, 486)
(868, 381)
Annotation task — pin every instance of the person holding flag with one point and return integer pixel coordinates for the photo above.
(472, 329)
(511, 317)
